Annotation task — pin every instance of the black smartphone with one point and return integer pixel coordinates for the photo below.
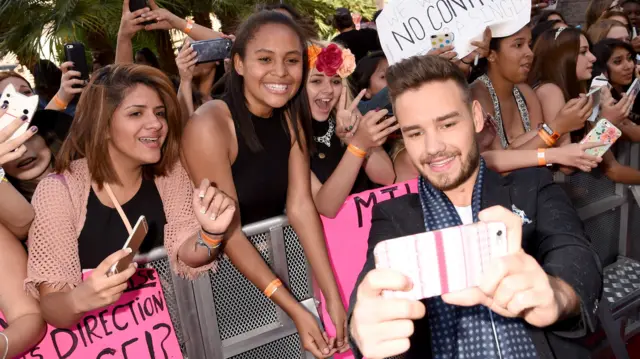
(135, 5)
(212, 50)
(74, 52)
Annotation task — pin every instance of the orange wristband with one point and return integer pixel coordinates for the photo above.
(546, 138)
(208, 240)
(59, 102)
(272, 287)
(356, 151)
(187, 29)
(542, 161)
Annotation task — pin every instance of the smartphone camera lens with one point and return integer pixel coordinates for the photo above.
(499, 233)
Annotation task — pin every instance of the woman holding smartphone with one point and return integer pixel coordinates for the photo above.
(254, 144)
(120, 161)
(562, 66)
(345, 161)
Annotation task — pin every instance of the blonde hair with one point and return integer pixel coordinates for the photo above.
(599, 31)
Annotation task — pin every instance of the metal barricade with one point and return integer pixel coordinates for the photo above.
(181, 303)
(237, 321)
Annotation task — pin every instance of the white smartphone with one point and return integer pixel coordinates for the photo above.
(134, 241)
(634, 89)
(443, 261)
(599, 81)
(595, 97)
(18, 106)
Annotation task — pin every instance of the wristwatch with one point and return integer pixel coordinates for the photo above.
(554, 135)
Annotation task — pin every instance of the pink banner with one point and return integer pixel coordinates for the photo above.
(347, 237)
(138, 326)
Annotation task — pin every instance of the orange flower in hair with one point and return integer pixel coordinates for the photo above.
(312, 52)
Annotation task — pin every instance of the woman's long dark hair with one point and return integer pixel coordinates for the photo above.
(603, 51)
(297, 109)
(555, 60)
(361, 77)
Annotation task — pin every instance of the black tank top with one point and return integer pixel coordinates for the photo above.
(104, 232)
(329, 154)
(261, 178)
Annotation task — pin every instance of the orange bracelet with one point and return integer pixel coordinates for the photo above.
(542, 161)
(356, 151)
(189, 26)
(272, 287)
(208, 240)
(546, 138)
(59, 102)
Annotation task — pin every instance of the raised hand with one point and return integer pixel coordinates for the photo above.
(13, 149)
(186, 61)
(213, 208)
(70, 77)
(381, 327)
(131, 22)
(573, 115)
(373, 130)
(164, 19)
(615, 111)
(347, 115)
(444, 52)
(101, 289)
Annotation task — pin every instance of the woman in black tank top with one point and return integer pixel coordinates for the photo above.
(338, 169)
(253, 145)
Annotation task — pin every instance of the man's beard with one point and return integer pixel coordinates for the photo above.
(444, 182)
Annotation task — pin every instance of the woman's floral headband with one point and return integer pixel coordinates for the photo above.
(331, 60)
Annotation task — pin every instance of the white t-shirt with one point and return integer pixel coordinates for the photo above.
(466, 214)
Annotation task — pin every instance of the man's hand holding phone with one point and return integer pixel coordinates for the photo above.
(516, 285)
(381, 326)
(101, 289)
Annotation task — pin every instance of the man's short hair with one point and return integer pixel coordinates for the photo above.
(342, 19)
(412, 73)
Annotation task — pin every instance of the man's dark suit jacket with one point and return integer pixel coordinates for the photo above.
(555, 238)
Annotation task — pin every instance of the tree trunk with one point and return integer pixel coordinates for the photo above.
(203, 19)
(166, 55)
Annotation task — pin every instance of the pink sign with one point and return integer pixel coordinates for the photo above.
(347, 236)
(138, 326)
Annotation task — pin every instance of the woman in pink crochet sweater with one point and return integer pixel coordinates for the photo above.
(125, 139)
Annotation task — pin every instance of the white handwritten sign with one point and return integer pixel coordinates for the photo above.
(405, 27)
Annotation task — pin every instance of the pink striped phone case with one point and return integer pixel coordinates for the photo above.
(443, 261)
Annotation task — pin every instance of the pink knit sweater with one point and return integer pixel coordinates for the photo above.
(60, 204)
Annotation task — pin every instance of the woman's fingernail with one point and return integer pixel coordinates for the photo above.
(34, 129)
(201, 195)
(5, 105)
(127, 250)
(24, 118)
(135, 264)
(203, 210)
(340, 344)
(213, 217)
(325, 351)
